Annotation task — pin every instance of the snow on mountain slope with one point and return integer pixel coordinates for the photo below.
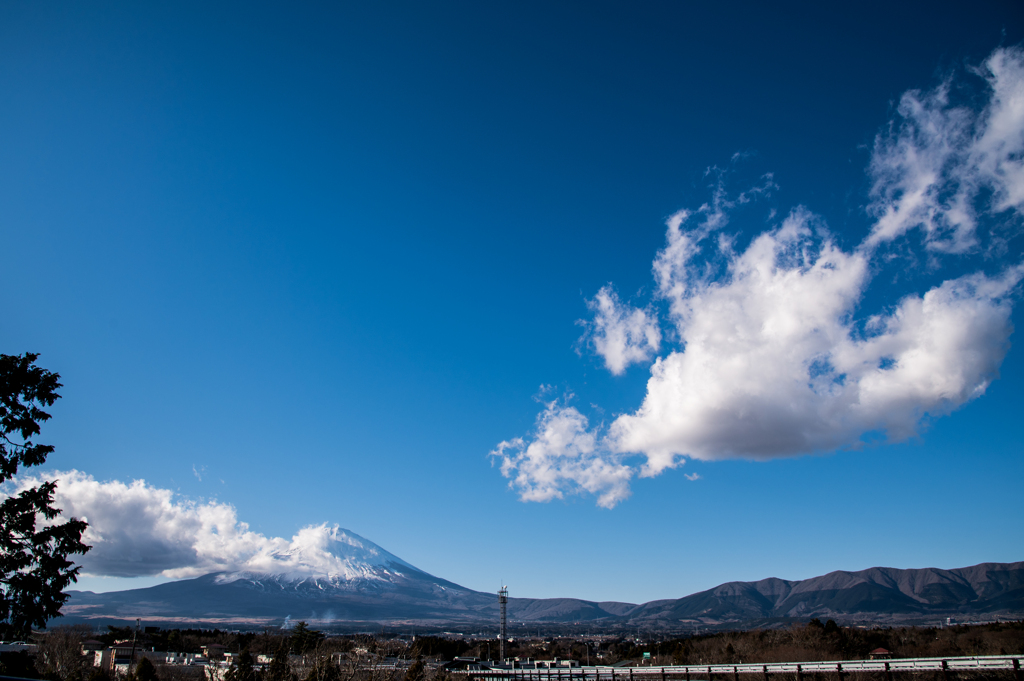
(322, 555)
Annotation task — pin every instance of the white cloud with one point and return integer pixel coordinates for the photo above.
(621, 334)
(692, 476)
(775, 363)
(684, 244)
(772, 359)
(932, 170)
(562, 458)
(136, 529)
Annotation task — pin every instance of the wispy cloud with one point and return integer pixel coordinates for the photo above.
(772, 359)
(941, 165)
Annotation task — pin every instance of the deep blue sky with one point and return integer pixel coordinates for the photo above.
(326, 255)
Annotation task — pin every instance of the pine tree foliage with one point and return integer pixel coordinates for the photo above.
(34, 564)
(144, 671)
(279, 669)
(416, 671)
(304, 639)
(242, 668)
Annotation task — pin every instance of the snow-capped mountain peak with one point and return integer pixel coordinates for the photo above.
(323, 553)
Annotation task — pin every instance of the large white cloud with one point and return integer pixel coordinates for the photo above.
(772, 358)
(136, 529)
(775, 363)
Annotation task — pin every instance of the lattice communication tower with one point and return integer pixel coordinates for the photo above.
(503, 631)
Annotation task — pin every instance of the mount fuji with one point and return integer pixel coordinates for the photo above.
(341, 577)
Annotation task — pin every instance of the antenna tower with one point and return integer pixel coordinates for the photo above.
(503, 631)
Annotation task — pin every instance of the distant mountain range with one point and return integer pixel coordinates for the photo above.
(373, 588)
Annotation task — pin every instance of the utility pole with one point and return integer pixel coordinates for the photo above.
(131, 660)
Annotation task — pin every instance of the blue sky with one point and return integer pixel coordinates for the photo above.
(313, 265)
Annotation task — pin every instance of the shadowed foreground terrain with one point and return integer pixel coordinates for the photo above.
(312, 656)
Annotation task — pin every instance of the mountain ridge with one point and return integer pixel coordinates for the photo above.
(345, 580)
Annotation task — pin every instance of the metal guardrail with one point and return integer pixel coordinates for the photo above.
(798, 669)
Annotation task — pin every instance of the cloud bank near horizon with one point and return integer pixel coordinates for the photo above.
(138, 530)
(771, 359)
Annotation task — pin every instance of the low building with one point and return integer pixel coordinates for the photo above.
(91, 646)
(186, 659)
(530, 663)
(115, 658)
(474, 664)
(214, 651)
